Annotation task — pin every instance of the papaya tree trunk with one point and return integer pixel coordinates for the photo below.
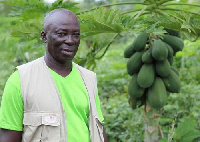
(152, 129)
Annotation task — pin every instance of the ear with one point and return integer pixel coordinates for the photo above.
(43, 36)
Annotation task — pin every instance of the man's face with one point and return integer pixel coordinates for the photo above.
(63, 37)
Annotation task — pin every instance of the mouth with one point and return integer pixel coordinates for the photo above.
(68, 51)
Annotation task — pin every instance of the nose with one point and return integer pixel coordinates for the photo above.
(69, 39)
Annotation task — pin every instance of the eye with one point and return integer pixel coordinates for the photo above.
(76, 35)
(61, 34)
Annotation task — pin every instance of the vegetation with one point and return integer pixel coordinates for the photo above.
(106, 31)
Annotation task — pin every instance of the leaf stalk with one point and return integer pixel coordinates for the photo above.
(113, 4)
(174, 9)
(107, 46)
(186, 4)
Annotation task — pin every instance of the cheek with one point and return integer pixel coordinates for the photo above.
(77, 42)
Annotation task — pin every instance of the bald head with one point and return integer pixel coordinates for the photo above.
(55, 14)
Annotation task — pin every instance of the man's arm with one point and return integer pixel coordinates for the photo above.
(10, 136)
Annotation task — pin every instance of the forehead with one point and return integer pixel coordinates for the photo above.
(60, 20)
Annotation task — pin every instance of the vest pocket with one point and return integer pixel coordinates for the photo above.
(41, 127)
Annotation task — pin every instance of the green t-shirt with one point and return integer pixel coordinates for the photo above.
(74, 99)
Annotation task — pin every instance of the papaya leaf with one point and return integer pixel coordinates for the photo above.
(185, 131)
(167, 21)
(101, 21)
(67, 5)
(20, 3)
(30, 15)
(190, 136)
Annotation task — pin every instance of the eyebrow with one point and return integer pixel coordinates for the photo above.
(74, 30)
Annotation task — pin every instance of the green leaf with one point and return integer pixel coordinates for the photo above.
(191, 135)
(163, 140)
(186, 131)
(101, 21)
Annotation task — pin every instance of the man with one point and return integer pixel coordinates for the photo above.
(52, 99)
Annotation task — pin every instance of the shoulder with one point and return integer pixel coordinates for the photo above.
(33, 63)
(14, 79)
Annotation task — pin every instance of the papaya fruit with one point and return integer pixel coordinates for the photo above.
(173, 32)
(140, 41)
(170, 50)
(129, 51)
(134, 90)
(157, 94)
(176, 43)
(132, 102)
(170, 60)
(134, 63)
(136, 102)
(159, 50)
(162, 68)
(172, 83)
(175, 70)
(146, 75)
(147, 57)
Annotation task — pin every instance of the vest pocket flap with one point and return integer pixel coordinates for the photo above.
(51, 119)
(36, 119)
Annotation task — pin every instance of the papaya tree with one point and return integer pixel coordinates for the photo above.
(158, 28)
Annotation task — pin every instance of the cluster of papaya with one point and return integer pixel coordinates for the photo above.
(150, 65)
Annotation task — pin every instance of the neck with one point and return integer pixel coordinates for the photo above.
(62, 69)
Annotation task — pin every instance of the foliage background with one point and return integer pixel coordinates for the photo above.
(121, 122)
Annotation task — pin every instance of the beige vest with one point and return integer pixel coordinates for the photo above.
(44, 117)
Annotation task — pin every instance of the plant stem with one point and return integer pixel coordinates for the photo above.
(108, 5)
(141, 12)
(167, 14)
(151, 125)
(187, 4)
(108, 45)
(173, 9)
(164, 1)
(130, 11)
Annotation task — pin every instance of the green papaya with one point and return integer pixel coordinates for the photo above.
(132, 102)
(147, 57)
(146, 75)
(163, 68)
(176, 43)
(159, 50)
(173, 32)
(134, 63)
(140, 41)
(170, 60)
(129, 51)
(157, 94)
(134, 89)
(172, 83)
(170, 50)
(137, 102)
(175, 70)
